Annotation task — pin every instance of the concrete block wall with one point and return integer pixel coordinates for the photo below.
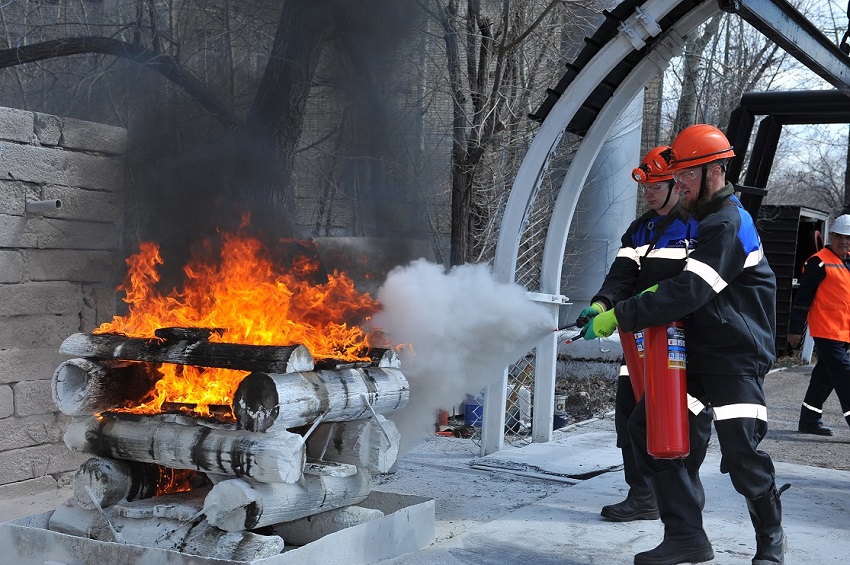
(58, 272)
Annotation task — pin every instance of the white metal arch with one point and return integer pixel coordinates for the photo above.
(633, 34)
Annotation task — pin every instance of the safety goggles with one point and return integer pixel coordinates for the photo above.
(686, 175)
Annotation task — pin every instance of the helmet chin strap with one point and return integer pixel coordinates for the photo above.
(669, 193)
(702, 182)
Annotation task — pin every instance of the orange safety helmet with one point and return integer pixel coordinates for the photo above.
(700, 144)
(655, 166)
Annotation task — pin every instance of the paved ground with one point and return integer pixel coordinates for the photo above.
(535, 504)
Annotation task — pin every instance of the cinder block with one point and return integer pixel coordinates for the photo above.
(78, 204)
(38, 232)
(29, 364)
(7, 403)
(99, 306)
(40, 298)
(33, 398)
(34, 462)
(13, 196)
(28, 488)
(74, 265)
(89, 136)
(11, 266)
(16, 125)
(36, 332)
(16, 432)
(48, 129)
(46, 165)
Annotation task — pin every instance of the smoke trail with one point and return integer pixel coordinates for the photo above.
(463, 327)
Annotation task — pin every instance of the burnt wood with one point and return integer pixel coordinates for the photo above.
(84, 387)
(144, 525)
(273, 457)
(110, 481)
(244, 357)
(265, 401)
(236, 504)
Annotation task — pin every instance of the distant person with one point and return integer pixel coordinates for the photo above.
(726, 298)
(824, 298)
(653, 248)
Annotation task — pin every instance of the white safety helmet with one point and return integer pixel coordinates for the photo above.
(841, 225)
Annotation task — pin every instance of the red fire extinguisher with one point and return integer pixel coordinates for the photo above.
(632, 343)
(666, 392)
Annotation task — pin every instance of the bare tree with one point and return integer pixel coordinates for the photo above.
(497, 54)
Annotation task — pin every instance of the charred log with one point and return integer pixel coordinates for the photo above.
(371, 443)
(239, 505)
(84, 387)
(275, 457)
(243, 357)
(151, 530)
(264, 401)
(108, 481)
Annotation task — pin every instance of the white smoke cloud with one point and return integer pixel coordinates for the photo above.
(463, 328)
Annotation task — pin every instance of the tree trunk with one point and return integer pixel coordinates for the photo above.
(266, 145)
(692, 75)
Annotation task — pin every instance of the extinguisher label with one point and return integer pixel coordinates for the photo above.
(639, 343)
(676, 358)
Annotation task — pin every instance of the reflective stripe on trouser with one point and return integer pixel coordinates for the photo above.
(740, 418)
(835, 363)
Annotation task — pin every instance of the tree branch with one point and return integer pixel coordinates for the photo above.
(163, 64)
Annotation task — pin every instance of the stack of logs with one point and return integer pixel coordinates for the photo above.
(298, 459)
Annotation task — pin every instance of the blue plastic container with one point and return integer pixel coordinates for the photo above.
(472, 413)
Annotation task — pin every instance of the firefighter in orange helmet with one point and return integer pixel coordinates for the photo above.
(824, 298)
(653, 248)
(726, 298)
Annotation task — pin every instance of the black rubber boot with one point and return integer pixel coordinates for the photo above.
(684, 538)
(766, 515)
(640, 502)
(811, 423)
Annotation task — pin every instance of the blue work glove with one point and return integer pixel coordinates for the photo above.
(588, 313)
(601, 325)
(653, 288)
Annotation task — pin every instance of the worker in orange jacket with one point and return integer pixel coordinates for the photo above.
(824, 298)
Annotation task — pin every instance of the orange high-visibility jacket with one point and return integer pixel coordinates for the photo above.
(829, 315)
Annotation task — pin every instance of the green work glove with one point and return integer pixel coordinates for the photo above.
(653, 288)
(601, 325)
(588, 313)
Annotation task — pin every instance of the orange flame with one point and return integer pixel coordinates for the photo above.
(254, 301)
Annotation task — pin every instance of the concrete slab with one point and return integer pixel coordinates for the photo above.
(577, 457)
(566, 528)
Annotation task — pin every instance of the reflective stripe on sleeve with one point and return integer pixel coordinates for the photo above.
(731, 411)
(753, 258)
(629, 253)
(624, 371)
(706, 273)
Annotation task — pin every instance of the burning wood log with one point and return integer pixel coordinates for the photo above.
(84, 387)
(371, 443)
(309, 529)
(239, 505)
(266, 401)
(163, 533)
(104, 482)
(272, 358)
(276, 457)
